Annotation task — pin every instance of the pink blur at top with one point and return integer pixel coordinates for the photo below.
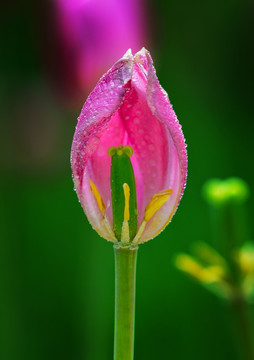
(93, 35)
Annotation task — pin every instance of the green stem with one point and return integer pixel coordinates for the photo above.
(244, 328)
(125, 275)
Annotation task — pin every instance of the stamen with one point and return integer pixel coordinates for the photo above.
(125, 235)
(108, 227)
(140, 232)
(154, 205)
(126, 190)
(102, 209)
(97, 196)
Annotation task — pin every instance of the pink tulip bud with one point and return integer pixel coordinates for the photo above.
(129, 110)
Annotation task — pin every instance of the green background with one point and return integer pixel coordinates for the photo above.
(56, 274)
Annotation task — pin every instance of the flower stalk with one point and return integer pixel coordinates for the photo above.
(243, 325)
(125, 278)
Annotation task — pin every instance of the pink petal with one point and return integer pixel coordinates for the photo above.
(171, 164)
(96, 113)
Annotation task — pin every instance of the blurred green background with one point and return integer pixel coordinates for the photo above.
(56, 274)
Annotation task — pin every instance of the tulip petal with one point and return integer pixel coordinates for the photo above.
(89, 157)
(171, 163)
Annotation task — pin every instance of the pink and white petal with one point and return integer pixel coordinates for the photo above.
(173, 165)
(97, 111)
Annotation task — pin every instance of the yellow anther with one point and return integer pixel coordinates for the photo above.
(126, 190)
(102, 209)
(97, 196)
(156, 203)
(125, 236)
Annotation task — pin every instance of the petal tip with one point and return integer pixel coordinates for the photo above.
(127, 55)
(143, 52)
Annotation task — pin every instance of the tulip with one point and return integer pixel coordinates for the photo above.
(128, 108)
(90, 36)
(129, 167)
